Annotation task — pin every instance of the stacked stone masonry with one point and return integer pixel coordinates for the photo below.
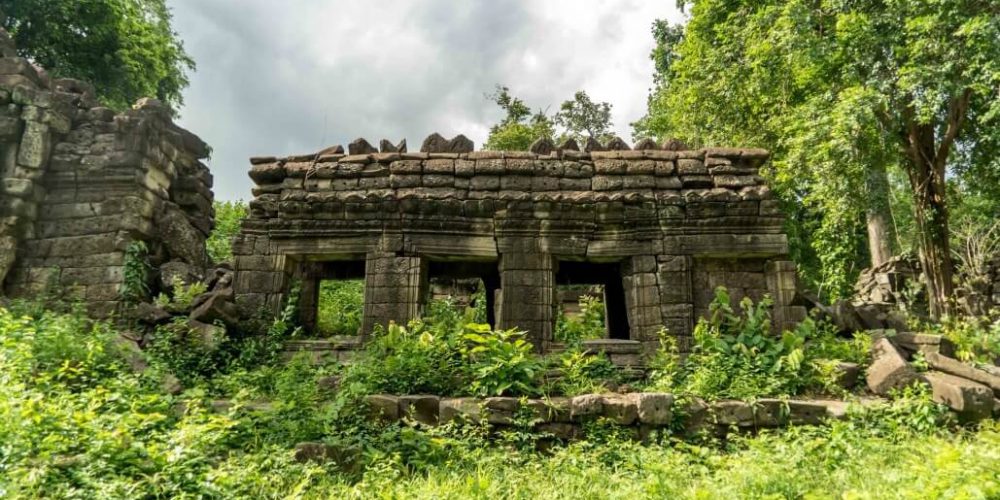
(79, 182)
(662, 227)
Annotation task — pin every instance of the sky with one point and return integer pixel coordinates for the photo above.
(295, 76)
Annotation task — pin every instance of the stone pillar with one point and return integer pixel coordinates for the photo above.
(642, 297)
(262, 279)
(673, 277)
(528, 295)
(782, 285)
(394, 287)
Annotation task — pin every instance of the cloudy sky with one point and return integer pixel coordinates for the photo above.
(295, 76)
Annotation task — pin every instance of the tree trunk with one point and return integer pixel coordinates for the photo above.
(925, 169)
(879, 217)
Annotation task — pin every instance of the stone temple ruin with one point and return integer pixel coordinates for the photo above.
(79, 182)
(659, 229)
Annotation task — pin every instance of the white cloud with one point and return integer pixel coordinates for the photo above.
(295, 76)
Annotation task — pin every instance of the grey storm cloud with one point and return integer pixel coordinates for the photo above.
(295, 76)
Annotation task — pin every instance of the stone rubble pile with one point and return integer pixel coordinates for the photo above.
(973, 393)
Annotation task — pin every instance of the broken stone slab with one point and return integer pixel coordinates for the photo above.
(383, 407)
(209, 336)
(422, 408)
(738, 413)
(959, 369)
(972, 401)
(653, 408)
(889, 369)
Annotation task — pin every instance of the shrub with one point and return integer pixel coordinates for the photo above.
(976, 339)
(181, 296)
(737, 355)
(501, 363)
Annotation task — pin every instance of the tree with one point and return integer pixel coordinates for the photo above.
(582, 118)
(579, 118)
(519, 128)
(125, 48)
(842, 91)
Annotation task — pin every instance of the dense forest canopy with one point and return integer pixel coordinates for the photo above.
(856, 100)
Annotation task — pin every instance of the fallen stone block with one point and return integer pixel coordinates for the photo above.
(736, 413)
(957, 368)
(889, 370)
(972, 401)
(847, 374)
(921, 342)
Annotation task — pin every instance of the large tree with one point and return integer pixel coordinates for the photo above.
(125, 48)
(842, 91)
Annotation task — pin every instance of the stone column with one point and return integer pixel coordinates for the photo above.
(782, 283)
(393, 289)
(642, 298)
(673, 277)
(262, 279)
(528, 295)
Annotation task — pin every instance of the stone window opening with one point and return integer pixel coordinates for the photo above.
(604, 278)
(331, 303)
(463, 281)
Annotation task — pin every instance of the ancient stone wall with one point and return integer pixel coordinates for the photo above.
(80, 181)
(662, 227)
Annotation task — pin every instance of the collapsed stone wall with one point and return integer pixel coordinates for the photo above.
(672, 224)
(80, 182)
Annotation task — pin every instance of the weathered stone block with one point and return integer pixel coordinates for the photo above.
(653, 408)
(420, 408)
(383, 406)
(972, 401)
(889, 370)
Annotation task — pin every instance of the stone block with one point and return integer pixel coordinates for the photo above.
(620, 409)
(459, 409)
(383, 407)
(959, 369)
(972, 401)
(420, 408)
(736, 413)
(587, 406)
(889, 370)
(653, 408)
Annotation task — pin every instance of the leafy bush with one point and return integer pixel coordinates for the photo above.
(737, 355)
(976, 339)
(341, 304)
(582, 373)
(501, 362)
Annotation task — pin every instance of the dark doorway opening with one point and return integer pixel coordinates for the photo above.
(603, 276)
(470, 283)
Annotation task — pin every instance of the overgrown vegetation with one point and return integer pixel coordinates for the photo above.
(228, 216)
(75, 422)
(340, 307)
